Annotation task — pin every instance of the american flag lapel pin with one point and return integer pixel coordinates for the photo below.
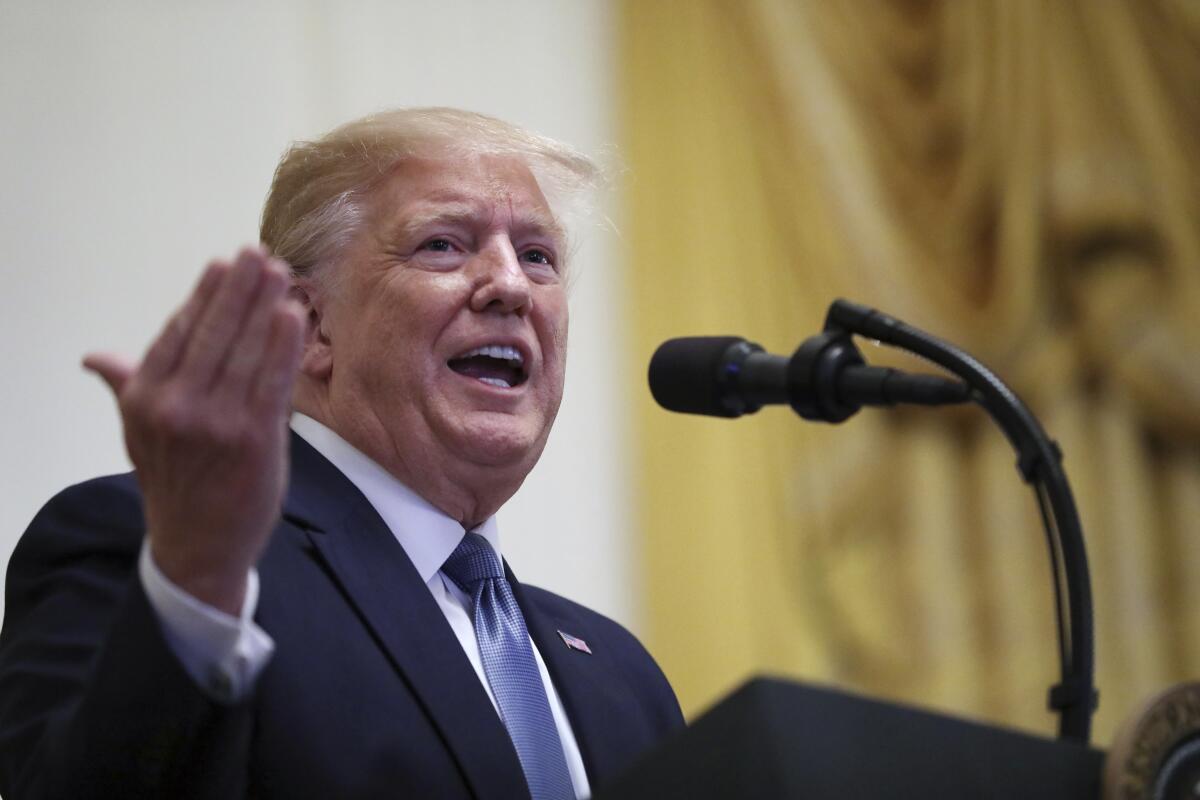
(575, 643)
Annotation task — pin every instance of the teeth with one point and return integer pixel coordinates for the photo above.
(496, 351)
(503, 384)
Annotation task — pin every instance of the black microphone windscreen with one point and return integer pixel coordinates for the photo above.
(685, 374)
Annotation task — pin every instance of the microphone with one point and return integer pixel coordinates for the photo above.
(824, 380)
(827, 380)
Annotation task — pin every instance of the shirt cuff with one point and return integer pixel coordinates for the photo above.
(223, 654)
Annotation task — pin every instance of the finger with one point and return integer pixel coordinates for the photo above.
(277, 370)
(236, 377)
(113, 370)
(221, 319)
(165, 351)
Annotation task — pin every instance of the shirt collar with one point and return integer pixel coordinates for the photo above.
(426, 533)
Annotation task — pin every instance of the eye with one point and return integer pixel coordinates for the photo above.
(439, 252)
(538, 255)
(439, 244)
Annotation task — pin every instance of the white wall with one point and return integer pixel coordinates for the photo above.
(138, 140)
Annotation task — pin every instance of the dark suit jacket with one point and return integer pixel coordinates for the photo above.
(369, 693)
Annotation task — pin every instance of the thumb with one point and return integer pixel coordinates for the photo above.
(113, 370)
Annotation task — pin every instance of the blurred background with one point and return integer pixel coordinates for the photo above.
(1021, 177)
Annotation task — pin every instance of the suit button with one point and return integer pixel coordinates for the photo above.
(220, 684)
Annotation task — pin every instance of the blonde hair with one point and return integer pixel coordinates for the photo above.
(315, 205)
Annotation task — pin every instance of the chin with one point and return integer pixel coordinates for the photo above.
(506, 443)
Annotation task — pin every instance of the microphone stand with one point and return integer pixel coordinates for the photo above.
(1039, 459)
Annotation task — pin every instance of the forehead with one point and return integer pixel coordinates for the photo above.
(488, 187)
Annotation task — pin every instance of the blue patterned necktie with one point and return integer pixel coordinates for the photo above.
(510, 668)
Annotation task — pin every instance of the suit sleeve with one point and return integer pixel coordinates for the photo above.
(92, 701)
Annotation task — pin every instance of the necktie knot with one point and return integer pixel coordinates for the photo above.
(472, 561)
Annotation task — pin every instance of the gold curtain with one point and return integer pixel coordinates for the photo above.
(1021, 177)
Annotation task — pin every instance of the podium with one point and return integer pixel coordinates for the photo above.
(777, 739)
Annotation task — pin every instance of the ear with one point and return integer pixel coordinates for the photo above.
(316, 361)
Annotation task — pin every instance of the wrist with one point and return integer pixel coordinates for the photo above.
(221, 584)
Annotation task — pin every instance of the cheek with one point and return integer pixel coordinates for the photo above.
(422, 304)
(557, 359)
(407, 323)
(387, 351)
(556, 324)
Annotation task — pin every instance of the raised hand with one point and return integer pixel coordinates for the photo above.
(205, 419)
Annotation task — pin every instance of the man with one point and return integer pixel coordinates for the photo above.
(173, 635)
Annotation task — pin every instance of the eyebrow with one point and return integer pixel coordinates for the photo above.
(466, 213)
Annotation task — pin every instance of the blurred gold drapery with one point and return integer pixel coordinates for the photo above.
(1021, 177)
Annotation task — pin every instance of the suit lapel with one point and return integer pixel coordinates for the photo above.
(397, 607)
(587, 684)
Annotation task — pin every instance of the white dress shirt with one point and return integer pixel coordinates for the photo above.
(225, 654)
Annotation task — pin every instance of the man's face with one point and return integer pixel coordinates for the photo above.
(448, 320)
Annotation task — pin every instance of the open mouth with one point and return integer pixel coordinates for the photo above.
(494, 364)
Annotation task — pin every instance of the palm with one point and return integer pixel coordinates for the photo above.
(205, 422)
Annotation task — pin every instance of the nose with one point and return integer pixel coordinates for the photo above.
(501, 284)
